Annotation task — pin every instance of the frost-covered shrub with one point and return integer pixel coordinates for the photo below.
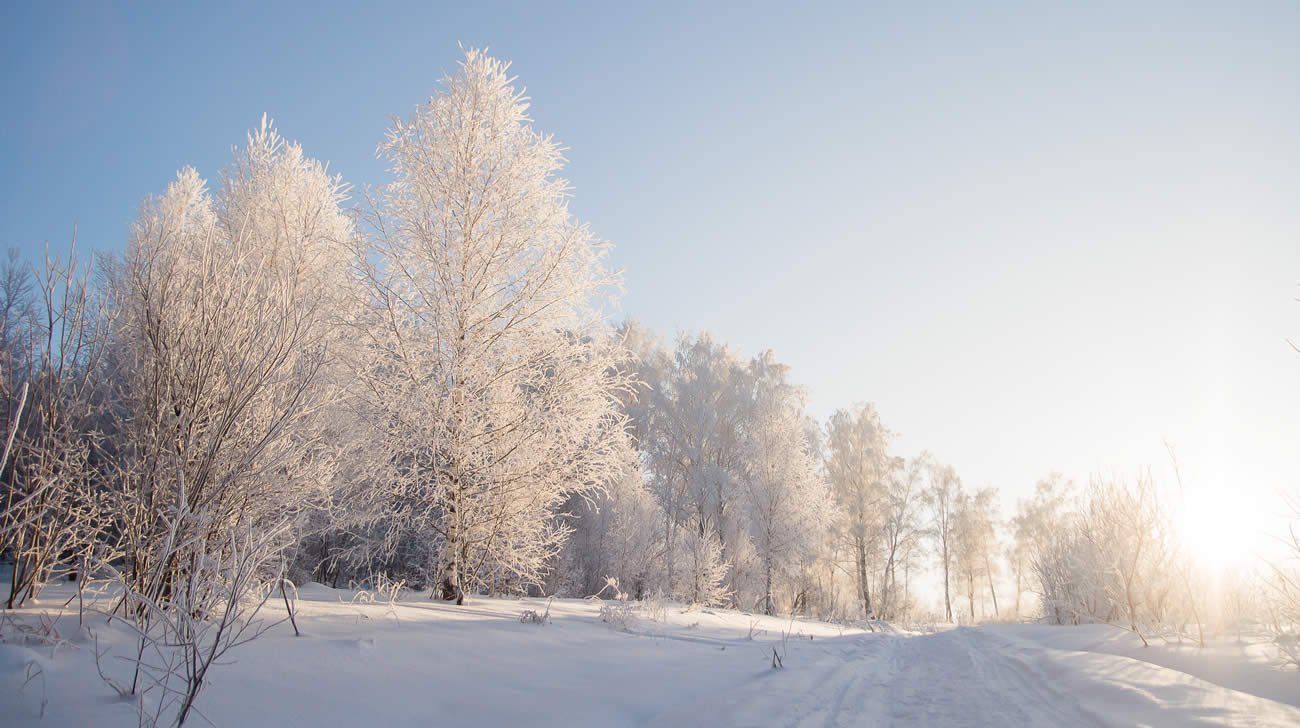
(1282, 596)
(224, 318)
(618, 611)
(701, 568)
(213, 606)
(655, 608)
(615, 533)
(619, 615)
(530, 616)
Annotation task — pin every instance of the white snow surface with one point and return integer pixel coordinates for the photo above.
(423, 663)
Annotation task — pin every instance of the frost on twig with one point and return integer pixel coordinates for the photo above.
(186, 626)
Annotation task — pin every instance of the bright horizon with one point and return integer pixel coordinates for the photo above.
(1038, 240)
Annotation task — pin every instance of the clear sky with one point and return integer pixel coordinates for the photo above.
(1039, 239)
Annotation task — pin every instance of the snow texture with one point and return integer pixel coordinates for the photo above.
(362, 662)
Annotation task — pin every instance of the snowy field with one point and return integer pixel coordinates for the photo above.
(417, 662)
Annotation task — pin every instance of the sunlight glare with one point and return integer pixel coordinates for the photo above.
(1218, 530)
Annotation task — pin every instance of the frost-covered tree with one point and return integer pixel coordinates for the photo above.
(859, 465)
(1017, 559)
(784, 498)
(702, 570)
(1107, 558)
(974, 543)
(711, 401)
(615, 535)
(901, 526)
(1069, 572)
(942, 497)
(487, 368)
(1125, 526)
(225, 309)
(224, 318)
(1036, 527)
(630, 545)
(726, 444)
(689, 417)
(729, 454)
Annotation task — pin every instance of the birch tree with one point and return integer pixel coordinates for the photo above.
(974, 544)
(488, 368)
(689, 418)
(901, 524)
(858, 464)
(784, 497)
(942, 497)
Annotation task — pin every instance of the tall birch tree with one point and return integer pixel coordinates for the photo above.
(490, 374)
(858, 465)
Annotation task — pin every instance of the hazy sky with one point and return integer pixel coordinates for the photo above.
(1039, 239)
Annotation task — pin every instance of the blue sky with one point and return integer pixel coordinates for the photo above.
(1038, 238)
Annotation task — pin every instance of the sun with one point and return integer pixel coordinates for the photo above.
(1219, 530)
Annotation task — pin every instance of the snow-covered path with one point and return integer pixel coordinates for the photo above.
(952, 678)
(974, 677)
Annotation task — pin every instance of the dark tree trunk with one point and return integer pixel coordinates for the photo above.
(862, 576)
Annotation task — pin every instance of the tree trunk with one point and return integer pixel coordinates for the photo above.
(862, 576)
(907, 587)
(1019, 590)
(988, 570)
(670, 527)
(450, 586)
(767, 599)
(947, 598)
(885, 610)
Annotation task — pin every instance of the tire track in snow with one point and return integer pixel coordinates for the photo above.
(953, 678)
(1002, 662)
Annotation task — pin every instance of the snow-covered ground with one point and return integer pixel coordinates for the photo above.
(425, 663)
